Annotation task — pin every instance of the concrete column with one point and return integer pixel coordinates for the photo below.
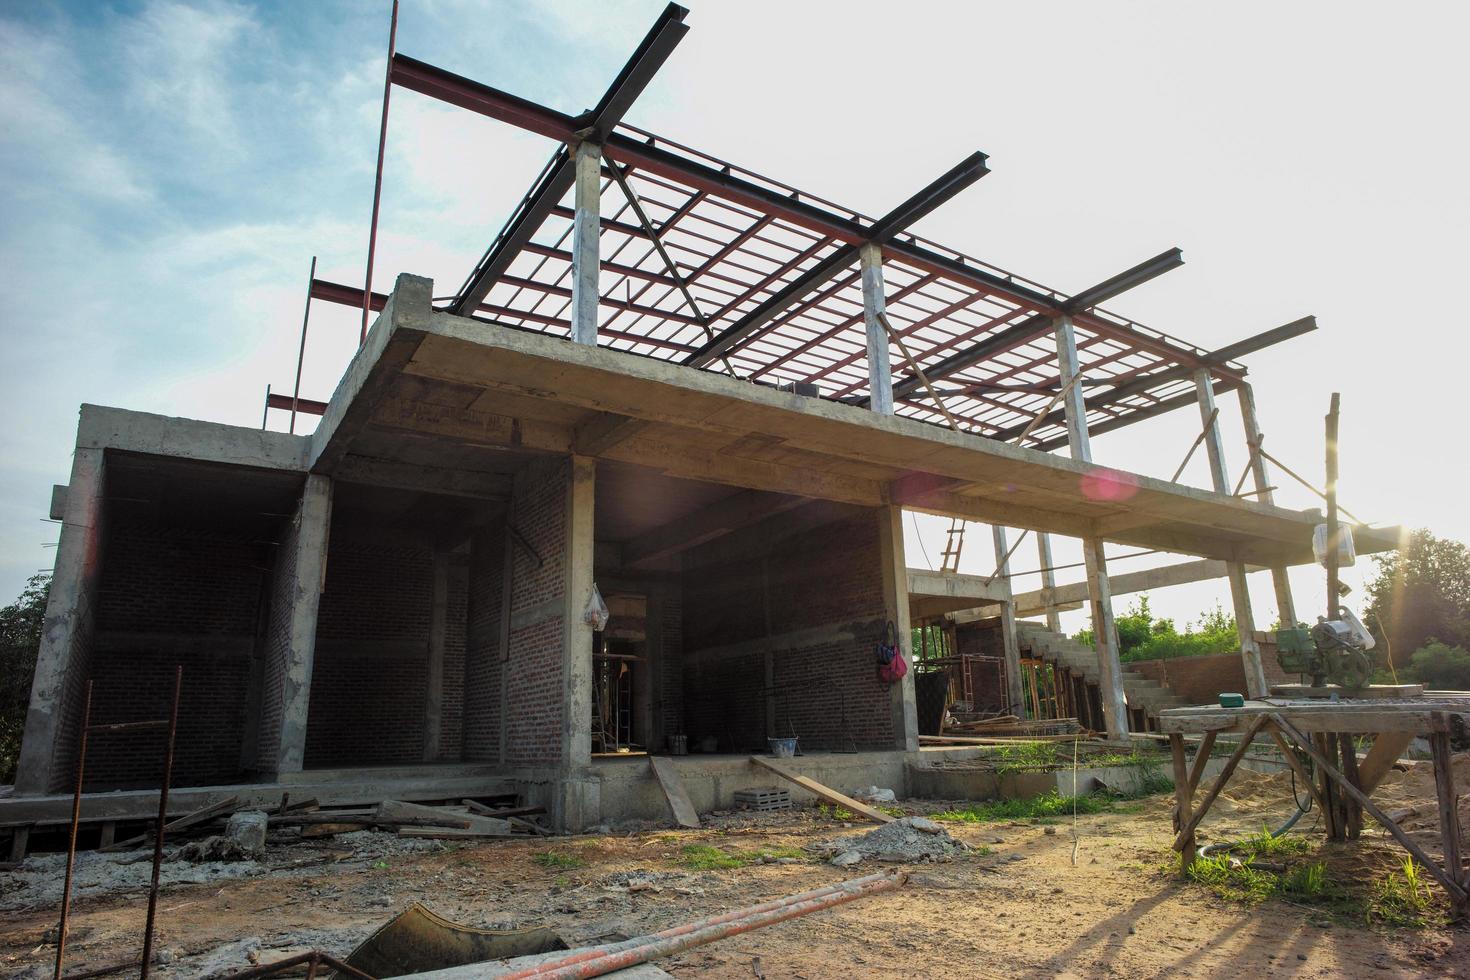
(577, 632)
(1105, 632)
(880, 374)
(1261, 477)
(438, 623)
(1009, 647)
(1048, 581)
(896, 609)
(1245, 620)
(66, 632)
(304, 592)
(586, 234)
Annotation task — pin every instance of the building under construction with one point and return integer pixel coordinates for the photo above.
(636, 486)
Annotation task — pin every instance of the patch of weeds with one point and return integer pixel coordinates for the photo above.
(1231, 879)
(1024, 757)
(892, 811)
(981, 850)
(833, 812)
(1402, 898)
(380, 866)
(1265, 845)
(1051, 804)
(703, 857)
(558, 859)
(1306, 881)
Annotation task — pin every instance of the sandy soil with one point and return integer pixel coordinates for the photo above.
(1023, 910)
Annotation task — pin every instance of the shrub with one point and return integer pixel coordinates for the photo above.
(1441, 667)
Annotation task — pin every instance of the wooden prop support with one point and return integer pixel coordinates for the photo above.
(679, 803)
(1449, 876)
(1300, 770)
(1186, 834)
(822, 792)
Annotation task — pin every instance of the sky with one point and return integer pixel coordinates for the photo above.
(168, 168)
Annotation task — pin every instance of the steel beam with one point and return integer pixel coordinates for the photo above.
(956, 179)
(1038, 324)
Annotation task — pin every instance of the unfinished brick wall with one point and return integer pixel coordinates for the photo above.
(451, 739)
(482, 655)
(986, 679)
(169, 596)
(822, 591)
(369, 681)
(668, 692)
(535, 675)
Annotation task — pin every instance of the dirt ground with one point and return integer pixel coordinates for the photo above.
(1017, 907)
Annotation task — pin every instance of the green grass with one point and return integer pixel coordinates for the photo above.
(703, 857)
(1403, 899)
(1051, 804)
(834, 812)
(1306, 881)
(1230, 879)
(558, 859)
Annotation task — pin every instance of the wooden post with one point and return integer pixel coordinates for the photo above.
(1048, 581)
(1187, 833)
(1331, 812)
(1352, 813)
(1183, 800)
(1332, 529)
(1009, 646)
(1449, 808)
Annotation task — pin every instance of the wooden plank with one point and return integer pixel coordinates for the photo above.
(1351, 810)
(1186, 834)
(1450, 881)
(328, 829)
(822, 792)
(1387, 748)
(679, 803)
(396, 812)
(1201, 759)
(503, 814)
(452, 833)
(187, 820)
(1370, 693)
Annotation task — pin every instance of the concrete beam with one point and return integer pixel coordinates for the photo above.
(576, 632)
(66, 630)
(424, 479)
(586, 238)
(1240, 596)
(739, 510)
(101, 427)
(880, 373)
(1034, 603)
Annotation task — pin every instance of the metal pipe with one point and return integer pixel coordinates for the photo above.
(623, 955)
(367, 282)
(76, 818)
(168, 769)
(301, 353)
(315, 958)
(1331, 496)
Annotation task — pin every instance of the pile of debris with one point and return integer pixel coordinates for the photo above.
(904, 841)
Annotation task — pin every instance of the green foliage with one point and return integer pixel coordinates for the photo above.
(558, 859)
(20, 639)
(1051, 804)
(1308, 881)
(1142, 637)
(703, 857)
(1403, 898)
(1232, 879)
(1440, 667)
(1421, 594)
(833, 812)
(1023, 757)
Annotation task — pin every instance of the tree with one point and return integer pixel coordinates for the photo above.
(20, 640)
(1421, 594)
(1142, 637)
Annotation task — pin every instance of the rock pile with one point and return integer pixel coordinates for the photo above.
(904, 841)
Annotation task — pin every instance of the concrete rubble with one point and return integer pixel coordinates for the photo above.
(904, 841)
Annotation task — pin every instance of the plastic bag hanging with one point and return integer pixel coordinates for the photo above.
(596, 614)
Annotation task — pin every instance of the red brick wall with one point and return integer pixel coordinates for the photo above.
(482, 647)
(369, 679)
(827, 579)
(986, 684)
(1201, 680)
(669, 692)
(534, 683)
(451, 737)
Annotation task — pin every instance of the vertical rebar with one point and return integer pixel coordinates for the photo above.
(301, 353)
(367, 283)
(76, 818)
(168, 769)
(1331, 494)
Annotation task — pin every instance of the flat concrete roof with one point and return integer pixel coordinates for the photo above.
(482, 390)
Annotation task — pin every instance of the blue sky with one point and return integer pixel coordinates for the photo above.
(168, 168)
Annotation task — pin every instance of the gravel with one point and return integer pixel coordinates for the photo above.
(907, 840)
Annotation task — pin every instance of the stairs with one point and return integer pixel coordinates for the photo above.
(1077, 665)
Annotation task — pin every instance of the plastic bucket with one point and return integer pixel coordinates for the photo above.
(782, 748)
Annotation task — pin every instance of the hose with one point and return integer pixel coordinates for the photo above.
(1302, 808)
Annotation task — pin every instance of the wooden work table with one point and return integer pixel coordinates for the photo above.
(1324, 730)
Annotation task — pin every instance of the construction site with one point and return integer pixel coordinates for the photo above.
(583, 611)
